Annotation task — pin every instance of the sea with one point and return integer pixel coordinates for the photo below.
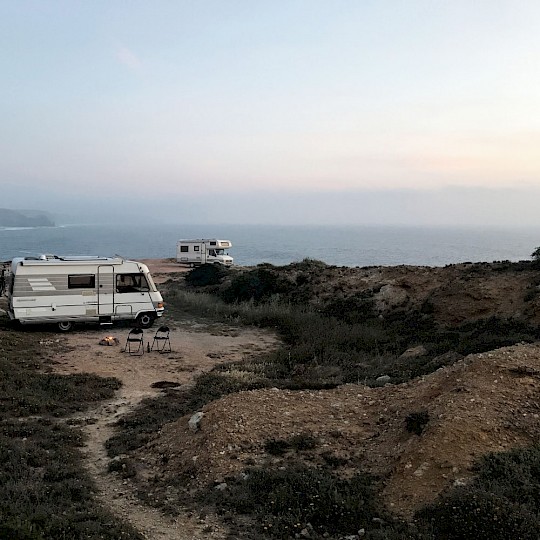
(280, 244)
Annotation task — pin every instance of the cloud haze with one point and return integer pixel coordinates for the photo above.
(281, 112)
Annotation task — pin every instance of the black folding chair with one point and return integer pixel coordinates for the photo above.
(162, 341)
(135, 342)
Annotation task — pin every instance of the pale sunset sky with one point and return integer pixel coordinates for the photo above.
(282, 111)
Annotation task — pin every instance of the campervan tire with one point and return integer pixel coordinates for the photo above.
(65, 326)
(145, 320)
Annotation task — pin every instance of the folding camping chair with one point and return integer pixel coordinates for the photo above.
(161, 341)
(135, 342)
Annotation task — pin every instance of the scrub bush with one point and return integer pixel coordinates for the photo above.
(258, 284)
(286, 501)
(501, 503)
(416, 422)
(205, 275)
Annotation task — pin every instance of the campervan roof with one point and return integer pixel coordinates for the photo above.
(49, 259)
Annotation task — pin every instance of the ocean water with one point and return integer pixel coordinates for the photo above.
(254, 244)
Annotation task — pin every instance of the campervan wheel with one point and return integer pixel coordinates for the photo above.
(145, 320)
(65, 326)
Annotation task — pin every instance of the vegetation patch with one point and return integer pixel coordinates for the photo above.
(206, 275)
(286, 502)
(298, 443)
(501, 503)
(44, 491)
(415, 422)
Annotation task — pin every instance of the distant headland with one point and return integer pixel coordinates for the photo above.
(24, 218)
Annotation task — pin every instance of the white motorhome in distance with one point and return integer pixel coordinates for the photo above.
(203, 251)
(66, 290)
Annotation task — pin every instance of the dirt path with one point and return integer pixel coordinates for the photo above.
(194, 350)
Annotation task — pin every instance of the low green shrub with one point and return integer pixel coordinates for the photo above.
(415, 422)
(286, 501)
(353, 309)
(492, 333)
(472, 513)
(276, 447)
(501, 503)
(258, 284)
(298, 443)
(303, 441)
(308, 265)
(205, 275)
(44, 493)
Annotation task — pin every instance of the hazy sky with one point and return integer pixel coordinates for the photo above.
(281, 111)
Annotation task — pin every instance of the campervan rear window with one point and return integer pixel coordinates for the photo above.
(82, 281)
(184, 249)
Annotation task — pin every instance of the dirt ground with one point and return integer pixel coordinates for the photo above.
(485, 402)
(194, 350)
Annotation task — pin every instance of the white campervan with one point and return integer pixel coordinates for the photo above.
(203, 251)
(66, 290)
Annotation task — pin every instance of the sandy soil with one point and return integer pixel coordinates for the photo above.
(194, 350)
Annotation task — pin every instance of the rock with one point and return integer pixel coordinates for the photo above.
(414, 352)
(221, 487)
(421, 470)
(383, 379)
(389, 297)
(195, 421)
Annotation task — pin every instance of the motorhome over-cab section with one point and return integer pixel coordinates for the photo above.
(66, 290)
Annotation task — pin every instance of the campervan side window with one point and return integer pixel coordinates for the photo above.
(82, 281)
(195, 248)
(184, 249)
(131, 283)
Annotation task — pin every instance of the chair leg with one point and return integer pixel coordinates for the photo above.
(139, 351)
(161, 344)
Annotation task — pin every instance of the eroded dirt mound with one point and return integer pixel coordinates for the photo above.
(486, 402)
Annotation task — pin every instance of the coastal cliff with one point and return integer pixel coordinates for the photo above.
(24, 218)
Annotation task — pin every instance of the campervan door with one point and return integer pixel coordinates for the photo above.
(105, 289)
